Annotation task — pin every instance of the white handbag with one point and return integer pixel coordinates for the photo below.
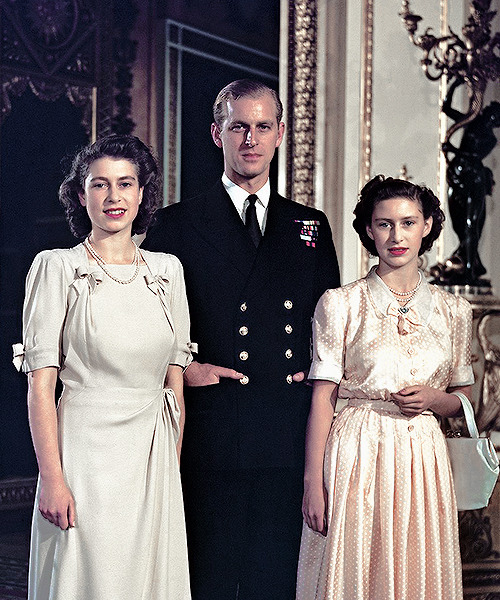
(474, 463)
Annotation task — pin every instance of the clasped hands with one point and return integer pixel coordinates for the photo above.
(201, 374)
(413, 400)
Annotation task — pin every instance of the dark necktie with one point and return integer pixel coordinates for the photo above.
(251, 222)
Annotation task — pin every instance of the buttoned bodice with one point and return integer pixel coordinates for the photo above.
(359, 345)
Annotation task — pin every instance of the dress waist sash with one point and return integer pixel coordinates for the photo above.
(378, 404)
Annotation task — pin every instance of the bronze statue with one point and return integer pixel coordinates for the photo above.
(469, 182)
(471, 60)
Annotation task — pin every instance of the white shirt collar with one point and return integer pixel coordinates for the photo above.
(238, 196)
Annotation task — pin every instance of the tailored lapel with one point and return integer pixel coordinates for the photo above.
(219, 223)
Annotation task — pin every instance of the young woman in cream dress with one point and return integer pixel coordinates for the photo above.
(111, 321)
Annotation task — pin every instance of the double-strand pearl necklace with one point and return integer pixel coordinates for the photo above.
(404, 297)
(102, 263)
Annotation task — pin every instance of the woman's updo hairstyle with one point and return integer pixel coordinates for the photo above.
(384, 188)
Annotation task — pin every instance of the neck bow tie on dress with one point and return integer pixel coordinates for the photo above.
(408, 319)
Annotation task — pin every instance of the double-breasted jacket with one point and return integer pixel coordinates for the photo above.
(251, 310)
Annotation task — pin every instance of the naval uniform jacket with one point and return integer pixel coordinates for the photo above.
(251, 310)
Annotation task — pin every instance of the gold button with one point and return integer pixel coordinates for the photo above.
(410, 427)
(413, 371)
(244, 380)
(243, 355)
(288, 328)
(289, 379)
(288, 353)
(288, 304)
(243, 307)
(243, 330)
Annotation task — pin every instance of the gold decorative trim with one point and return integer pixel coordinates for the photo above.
(81, 97)
(443, 126)
(302, 100)
(365, 129)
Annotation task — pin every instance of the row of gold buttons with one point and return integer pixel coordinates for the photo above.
(243, 330)
(288, 304)
(244, 354)
(245, 379)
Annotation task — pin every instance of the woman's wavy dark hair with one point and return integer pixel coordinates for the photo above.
(126, 147)
(384, 188)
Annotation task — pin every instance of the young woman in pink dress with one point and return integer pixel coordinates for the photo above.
(379, 506)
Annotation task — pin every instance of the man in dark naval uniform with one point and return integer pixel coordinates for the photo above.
(255, 265)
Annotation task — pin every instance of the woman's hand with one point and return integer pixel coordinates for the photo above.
(414, 399)
(318, 426)
(57, 504)
(314, 507)
(56, 501)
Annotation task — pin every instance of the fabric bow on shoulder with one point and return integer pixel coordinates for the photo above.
(91, 275)
(159, 285)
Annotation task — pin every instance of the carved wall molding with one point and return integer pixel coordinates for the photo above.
(301, 99)
(366, 94)
(39, 38)
(365, 125)
(476, 542)
(16, 85)
(17, 493)
(58, 53)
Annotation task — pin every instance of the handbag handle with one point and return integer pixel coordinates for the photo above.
(468, 413)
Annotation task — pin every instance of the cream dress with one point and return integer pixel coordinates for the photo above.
(392, 517)
(117, 426)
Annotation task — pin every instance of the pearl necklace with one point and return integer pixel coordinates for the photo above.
(102, 263)
(404, 297)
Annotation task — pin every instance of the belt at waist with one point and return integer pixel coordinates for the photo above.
(377, 404)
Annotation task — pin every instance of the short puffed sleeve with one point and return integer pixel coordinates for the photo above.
(461, 337)
(329, 328)
(180, 315)
(44, 312)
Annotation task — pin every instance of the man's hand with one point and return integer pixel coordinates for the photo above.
(200, 374)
